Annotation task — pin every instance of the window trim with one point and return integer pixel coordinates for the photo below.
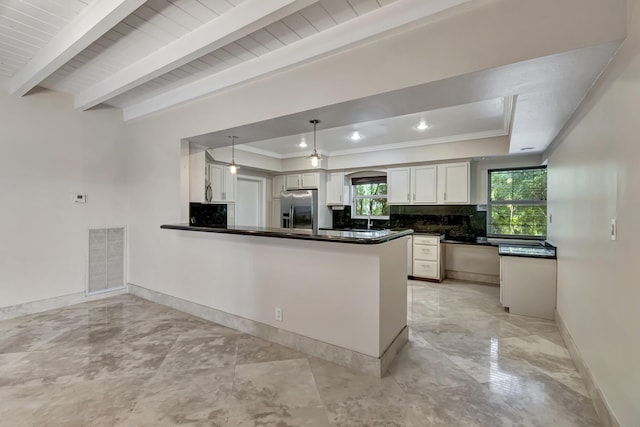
(512, 202)
(367, 197)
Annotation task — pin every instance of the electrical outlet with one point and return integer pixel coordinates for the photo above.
(80, 198)
(279, 314)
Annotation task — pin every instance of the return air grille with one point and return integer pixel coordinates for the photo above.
(106, 259)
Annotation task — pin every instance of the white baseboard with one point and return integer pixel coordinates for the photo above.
(52, 303)
(339, 355)
(607, 417)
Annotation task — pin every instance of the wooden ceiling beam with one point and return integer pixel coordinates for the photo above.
(86, 28)
(244, 19)
(392, 17)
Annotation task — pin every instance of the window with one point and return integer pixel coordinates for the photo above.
(370, 197)
(517, 202)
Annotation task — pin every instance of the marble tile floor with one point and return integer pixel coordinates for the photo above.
(124, 361)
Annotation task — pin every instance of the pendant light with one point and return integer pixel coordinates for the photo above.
(314, 156)
(233, 168)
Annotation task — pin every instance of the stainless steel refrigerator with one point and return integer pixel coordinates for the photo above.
(299, 209)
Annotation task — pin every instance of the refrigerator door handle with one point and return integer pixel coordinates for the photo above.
(292, 215)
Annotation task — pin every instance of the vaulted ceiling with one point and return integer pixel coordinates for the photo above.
(146, 56)
(149, 56)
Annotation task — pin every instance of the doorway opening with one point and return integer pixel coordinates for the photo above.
(251, 201)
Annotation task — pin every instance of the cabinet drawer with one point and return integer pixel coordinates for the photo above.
(425, 252)
(425, 269)
(426, 240)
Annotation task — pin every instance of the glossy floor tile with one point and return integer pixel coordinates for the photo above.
(124, 361)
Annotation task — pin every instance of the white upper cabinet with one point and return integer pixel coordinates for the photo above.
(293, 182)
(424, 184)
(223, 183)
(230, 185)
(198, 174)
(454, 183)
(429, 185)
(399, 186)
(308, 180)
(277, 186)
(337, 189)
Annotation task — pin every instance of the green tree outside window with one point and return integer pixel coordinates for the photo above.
(517, 203)
(370, 200)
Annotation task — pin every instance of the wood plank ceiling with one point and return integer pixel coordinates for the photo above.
(145, 56)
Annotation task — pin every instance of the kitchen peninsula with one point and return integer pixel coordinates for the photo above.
(338, 295)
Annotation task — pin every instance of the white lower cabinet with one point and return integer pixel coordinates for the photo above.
(427, 257)
(528, 286)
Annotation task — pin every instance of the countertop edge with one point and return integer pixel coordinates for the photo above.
(462, 242)
(294, 236)
(530, 256)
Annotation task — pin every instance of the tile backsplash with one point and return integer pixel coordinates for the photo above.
(208, 215)
(457, 222)
(342, 219)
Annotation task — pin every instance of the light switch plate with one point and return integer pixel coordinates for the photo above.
(614, 229)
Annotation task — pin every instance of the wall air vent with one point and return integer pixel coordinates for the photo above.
(106, 261)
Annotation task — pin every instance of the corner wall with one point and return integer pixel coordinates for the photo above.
(49, 152)
(594, 177)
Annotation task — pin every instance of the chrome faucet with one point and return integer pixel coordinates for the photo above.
(369, 224)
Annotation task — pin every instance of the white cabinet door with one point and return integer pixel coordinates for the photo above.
(277, 186)
(293, 182)
(454, 180)
(529, 286)
(398, 186)
(336, 189)
(424, 180)
(310, 180)
(198, 175)
(216, 174)
(230, 185)
(223, 183)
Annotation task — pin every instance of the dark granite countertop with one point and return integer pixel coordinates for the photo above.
(339, 236)
(532, 249)
(478, 242)
(528, 251)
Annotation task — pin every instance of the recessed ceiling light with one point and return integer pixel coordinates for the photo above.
(526, 148)
(422, 125)
(355, 136)
(303, 143)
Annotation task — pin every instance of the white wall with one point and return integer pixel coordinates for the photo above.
(49, 152)
(593, 177)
